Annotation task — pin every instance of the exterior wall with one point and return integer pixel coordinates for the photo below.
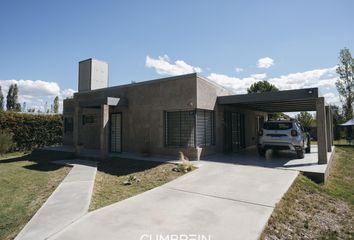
(84, 75)
(207, 93)
(99, 74)
(143, 118)
(93, 74)
(89, 133)
(68, 111)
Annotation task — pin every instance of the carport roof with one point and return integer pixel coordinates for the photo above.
(281, 101)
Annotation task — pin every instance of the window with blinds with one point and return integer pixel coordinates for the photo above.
(205, 128)
(189, 128)
(180, 128)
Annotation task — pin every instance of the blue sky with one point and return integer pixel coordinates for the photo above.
(298, 41)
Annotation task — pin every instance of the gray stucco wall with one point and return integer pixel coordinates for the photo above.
(68, 111)
(143, 117)
(207, 94)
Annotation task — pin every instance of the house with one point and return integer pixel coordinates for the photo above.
(186, 113)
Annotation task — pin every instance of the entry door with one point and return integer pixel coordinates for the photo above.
(116, 132)
(237, 131)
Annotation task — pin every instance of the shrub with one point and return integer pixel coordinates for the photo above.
(185, 165)
(6, 141)
(31, 131)
(131, 179)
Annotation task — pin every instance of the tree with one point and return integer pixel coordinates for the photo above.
(9, 99)
(345, 83)
(12, 99)
(17, 105)
(1, 101)
(338, 118)
(265, 86)
(56, 104)
(305, 119)
(262, 86)
(24, 107)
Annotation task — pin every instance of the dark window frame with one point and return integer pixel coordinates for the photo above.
(68, 124)
(89, 119)
(205, 122)
(184, 137)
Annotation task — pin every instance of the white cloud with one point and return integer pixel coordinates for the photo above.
(67, 93)
(313, 78)
(324, 79)
(237, 69)
(163, 66)
(327, 83)
(36, 92)
(237, 85)
(332, 98)
(265, 62)
(259, 76)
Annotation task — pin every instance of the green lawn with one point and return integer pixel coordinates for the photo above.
(26, 181)
(111, 175)
(335, 142)
(312, 211)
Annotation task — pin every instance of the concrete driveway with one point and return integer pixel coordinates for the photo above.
(216, 201)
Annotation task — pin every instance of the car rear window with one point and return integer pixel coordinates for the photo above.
(277, 125)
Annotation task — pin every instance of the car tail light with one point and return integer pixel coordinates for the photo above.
(260, 132)
(293, 133)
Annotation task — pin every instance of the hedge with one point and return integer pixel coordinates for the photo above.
(33, 130)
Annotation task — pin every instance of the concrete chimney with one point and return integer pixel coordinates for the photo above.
(93, 74)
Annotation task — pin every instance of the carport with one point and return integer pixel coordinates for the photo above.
(298, 100)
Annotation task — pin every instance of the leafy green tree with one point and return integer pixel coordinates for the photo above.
(265, 86)
(9, 99)
(305, 118)
(17, 105)
(345, 83)
(1, 101)
(338, 118)
(12, 99)
(56, 104)
(262, 86)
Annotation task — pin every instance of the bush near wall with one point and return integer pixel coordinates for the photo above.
(33, 130)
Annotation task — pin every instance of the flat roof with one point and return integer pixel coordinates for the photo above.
(282, 101)
(153, 81)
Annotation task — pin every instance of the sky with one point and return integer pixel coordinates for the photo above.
(292, 44)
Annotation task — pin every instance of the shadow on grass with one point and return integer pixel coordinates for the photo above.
(40, 156)
(41, 159)
(44, 167)
(122, 166)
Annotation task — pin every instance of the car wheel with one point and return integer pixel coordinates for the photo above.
(300, 153)
(261, 152)
(308, 148)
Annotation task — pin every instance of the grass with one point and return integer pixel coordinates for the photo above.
(312, 211)
(111, 184)
(26, 181)
(335, 142)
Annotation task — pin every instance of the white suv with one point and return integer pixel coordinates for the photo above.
(284, 135)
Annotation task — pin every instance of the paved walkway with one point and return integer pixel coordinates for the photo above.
(68, 202)
(220, 200)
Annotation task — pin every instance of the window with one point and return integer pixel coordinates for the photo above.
(180, 128)
(88, 119)
(68, 124)
(205, 128)
(277, 125)
(189, 128)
